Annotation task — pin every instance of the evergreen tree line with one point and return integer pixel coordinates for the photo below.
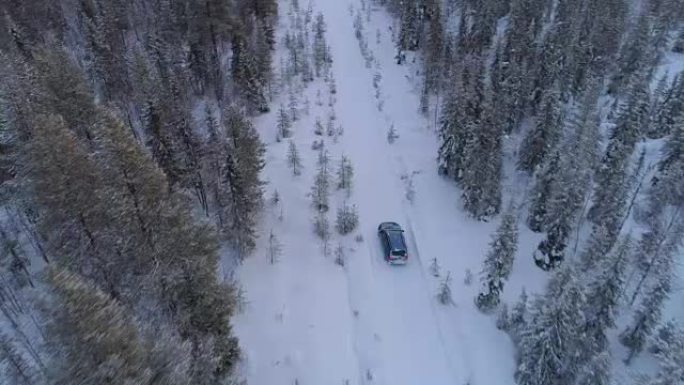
(116, 177)
(576, 82)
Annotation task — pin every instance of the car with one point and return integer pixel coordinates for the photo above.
(393, 243)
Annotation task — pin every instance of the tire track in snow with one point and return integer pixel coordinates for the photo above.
(393, 302)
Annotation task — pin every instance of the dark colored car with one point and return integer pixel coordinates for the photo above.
(393, 242)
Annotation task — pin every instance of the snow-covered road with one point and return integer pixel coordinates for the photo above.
(309, 321)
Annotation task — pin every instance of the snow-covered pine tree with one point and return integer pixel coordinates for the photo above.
(453, 134)
(671, 360)
(293, 159)
(481, 181)
(283, 125)
(635, 55)
(250, 83)
(347, 219)
(433, 54)
(292, 106)
(645, 318)
(603, 294)
(444, 294)
(345, 175)
(519, 317)
(320, 46)
(275, 248)
(657, 250)
(597, 371)
(552, 342)
(611, 177)
(545, 134)
(499, 261)
(669, 109)
(541, 192)
(320, 191)
(569, 188)
(240, 173)
(92, 338)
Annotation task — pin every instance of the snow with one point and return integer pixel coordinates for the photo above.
(310, 321)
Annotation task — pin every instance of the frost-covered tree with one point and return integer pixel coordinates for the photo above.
(635, 55)
(347, 219)
(611, 177)
(321, 52)
(444, 294)
(603, 294)
(275, 248)
(92, 338)
(293, 159)
(499, 261)
(670, 359)
(569, 187)
(240, 171)
(657, 250)
(541, 192)
(519, 316)
(345, 174)
(320, 191)
(482, 158)
(283, 125)
(292, 106)
(552, 342)
(645, 319)
(544, 135)
(250, 83)
(597, 371)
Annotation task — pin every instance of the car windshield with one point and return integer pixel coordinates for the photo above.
(397, 242)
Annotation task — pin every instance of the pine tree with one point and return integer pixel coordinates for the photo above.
(91, 337)
(320, 46)
(519, 317)
(671, 360)
(645, 319)
(603, 295)
(444, 294)
(611, 176)
(283, 126)
(275, 248)
(345, 175)
(347, 219)
(597, 371)
(240, 175)
(568, 189)
(249, 81)
(292, 106)
(320, 191)
(544, 136)
(541, 192)
(481, 179)
(293, 159)
(552, 342)
(635, 55)
(499, 261)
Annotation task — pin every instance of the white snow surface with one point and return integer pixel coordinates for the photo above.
(310, 321)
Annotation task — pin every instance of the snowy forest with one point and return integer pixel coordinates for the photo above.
(147, 145)
(599, 131)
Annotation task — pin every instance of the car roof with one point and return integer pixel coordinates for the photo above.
(396, 239)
